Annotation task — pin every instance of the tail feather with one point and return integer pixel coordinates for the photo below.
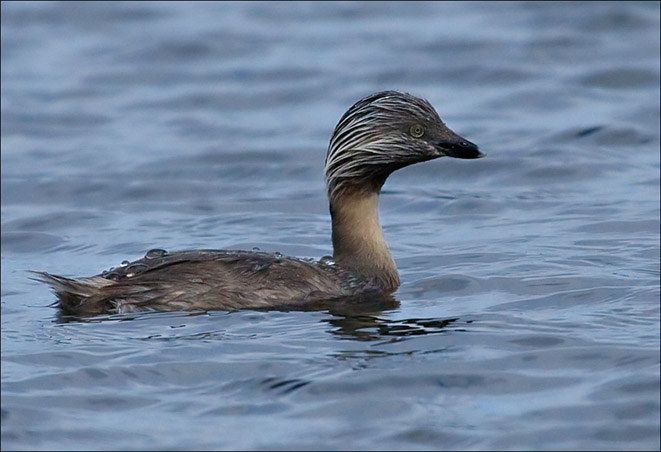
(80, 296)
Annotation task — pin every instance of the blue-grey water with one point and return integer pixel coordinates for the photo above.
(528, 316)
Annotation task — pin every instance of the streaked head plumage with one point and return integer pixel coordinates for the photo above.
(384, 132)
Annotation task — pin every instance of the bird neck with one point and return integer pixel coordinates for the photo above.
(358, 241)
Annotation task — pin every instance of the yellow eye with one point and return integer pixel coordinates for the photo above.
(417, 130)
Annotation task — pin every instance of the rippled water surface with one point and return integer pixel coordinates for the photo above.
(528, 317)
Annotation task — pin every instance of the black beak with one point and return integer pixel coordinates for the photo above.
(460, 148)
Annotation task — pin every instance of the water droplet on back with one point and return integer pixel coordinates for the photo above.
(156, 252)
(134, 269)
(110, 274)
(327, 260)
(124, 263)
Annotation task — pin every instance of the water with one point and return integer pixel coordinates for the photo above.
(528, 317)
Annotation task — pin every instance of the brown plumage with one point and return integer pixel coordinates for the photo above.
(377, 135)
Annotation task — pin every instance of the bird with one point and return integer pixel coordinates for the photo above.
(377, 135)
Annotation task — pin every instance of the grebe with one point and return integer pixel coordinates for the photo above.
(376, 136)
